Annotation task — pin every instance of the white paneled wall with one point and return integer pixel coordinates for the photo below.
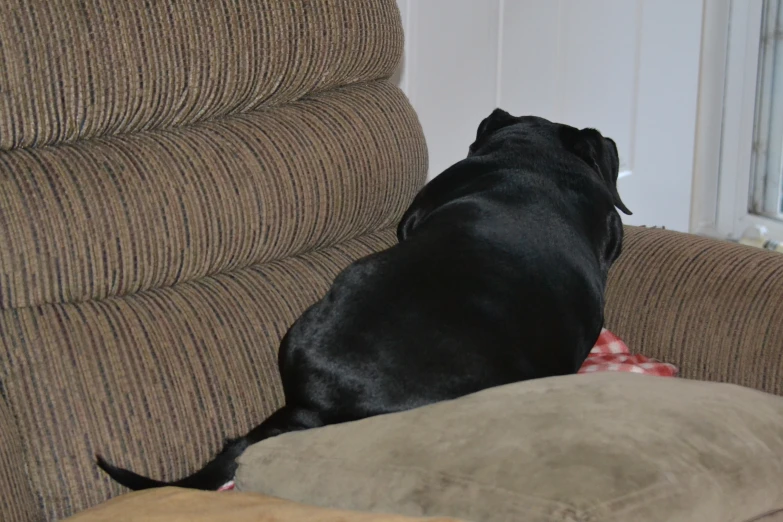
(451, 70)
(627, 67)
(573, 72)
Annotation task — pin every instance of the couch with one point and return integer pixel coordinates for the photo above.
(180, 180)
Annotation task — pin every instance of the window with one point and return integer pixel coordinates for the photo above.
(738, 175)
(767, 189)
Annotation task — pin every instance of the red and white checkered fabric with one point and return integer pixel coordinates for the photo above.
(228, 486)
(610, 354)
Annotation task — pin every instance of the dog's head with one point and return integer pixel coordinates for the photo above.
(599, 152)
(516, 141)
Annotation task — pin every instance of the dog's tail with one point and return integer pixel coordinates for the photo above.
(221, 469)
(211, 477)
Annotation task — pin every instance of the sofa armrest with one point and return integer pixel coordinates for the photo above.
(713, 308)
(17, 499)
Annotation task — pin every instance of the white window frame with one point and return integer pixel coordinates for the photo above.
(724, 160)
(767, 171)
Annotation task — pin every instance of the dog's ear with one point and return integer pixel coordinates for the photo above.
(614, 243)
(495, 121)
(598, 152)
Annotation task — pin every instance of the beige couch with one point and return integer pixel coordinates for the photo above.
(179, 180)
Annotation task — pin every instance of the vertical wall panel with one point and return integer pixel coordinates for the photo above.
(599, 68)
(574, 62)
(452, 70)
(667, 97)
(531, 46)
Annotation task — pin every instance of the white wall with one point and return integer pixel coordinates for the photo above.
(627, 67)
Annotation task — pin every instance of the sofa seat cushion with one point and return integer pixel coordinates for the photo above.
(606, 446)
(183, 505)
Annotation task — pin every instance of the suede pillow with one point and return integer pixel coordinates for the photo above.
(602, 447)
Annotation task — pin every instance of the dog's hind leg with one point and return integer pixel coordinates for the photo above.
(282, 421)
(222, 468)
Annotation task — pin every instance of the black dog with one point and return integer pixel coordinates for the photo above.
(498, 277)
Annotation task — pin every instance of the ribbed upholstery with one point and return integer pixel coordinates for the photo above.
(156, 380)
(715, 309)
(73, 69)
(178, 181)
(18, 500)
(120, 214)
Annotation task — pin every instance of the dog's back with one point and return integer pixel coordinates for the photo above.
(498, 277)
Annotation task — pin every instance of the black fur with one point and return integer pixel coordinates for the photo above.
(498, 277)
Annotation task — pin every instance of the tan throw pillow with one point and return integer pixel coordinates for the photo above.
(602, 447)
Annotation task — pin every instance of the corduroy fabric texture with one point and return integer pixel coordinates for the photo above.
(116, 215)
(155, 380)
(72, 69)
(711, 308)
(178, 181)
(18, 501)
